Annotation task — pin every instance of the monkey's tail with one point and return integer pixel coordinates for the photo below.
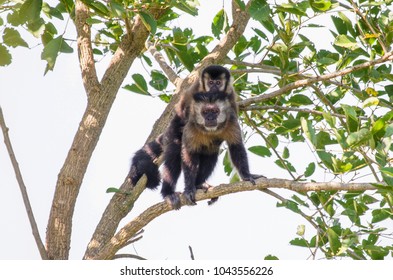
(144, 162)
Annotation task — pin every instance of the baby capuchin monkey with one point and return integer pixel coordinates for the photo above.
(206, 116)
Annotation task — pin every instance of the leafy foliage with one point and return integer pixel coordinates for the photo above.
(344, 120)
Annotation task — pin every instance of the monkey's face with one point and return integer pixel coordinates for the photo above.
(213, 84)
(210, 111)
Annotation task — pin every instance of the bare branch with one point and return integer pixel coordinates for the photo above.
(23, 189)
(130, 229)
(172, 76)
(191, 253)
(85, 50)
(310, 81)
(129, 256)
(290, 109)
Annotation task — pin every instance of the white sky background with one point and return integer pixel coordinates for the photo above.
(43, 113)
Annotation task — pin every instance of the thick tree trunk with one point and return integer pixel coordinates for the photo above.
(100, 99)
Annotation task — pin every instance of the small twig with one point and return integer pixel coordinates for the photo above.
(370, 27)
(23, 189)
(172, 76)
(191, 253)
(129, 256)
(307, 82)
(291, 109)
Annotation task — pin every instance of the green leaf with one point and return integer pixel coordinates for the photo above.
(220, 21)
(371, 101)
(241, 4)
(140, 85)
(299, 242)
(30, 10)
(37, 27)
(296, 9)
(98, 7)
(321, 5)
(381, 214)
(5, 56)
(259, 10)
(272, 140)
(387, 170)
(112, 190)
(12, 38)
(299, 100)
(352, 119)
(359, 137)
(378, 126)
(289, 204)
(271, 258)
(285, 153)
(310, 169)
(52, 50)
(227, 164)
(309, 130)
(51, 12)
(260, 151)
(189, 6)
(326, 158)
(334, 240)
(159, 81)
(347, 42)
(149, 22)
(117, 9)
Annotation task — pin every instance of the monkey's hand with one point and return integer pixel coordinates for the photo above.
(252, 177)
(174, 200)
(190, 196)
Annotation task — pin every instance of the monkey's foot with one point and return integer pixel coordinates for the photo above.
(206, 187)
(173, 200)
(190, 197)
(253, 177)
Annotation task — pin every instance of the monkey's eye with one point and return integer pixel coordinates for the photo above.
(218, 83)
(211, 82)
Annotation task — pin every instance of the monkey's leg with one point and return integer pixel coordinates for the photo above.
(240, 161)
(206, 167)
(190, 167)
(171, 173)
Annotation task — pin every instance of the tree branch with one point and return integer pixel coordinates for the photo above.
(131, 228)
(290, 109)
(23, 189)
(85, 50)
(172, 76)
(309, 81)
(100, 100)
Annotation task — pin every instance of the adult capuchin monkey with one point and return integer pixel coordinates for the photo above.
(206, 115)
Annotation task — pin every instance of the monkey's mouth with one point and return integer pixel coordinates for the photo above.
(211, 128)
(210, 124)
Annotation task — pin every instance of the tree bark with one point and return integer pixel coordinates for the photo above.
(100, 99)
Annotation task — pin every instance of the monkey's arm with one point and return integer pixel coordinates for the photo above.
(239, 159)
